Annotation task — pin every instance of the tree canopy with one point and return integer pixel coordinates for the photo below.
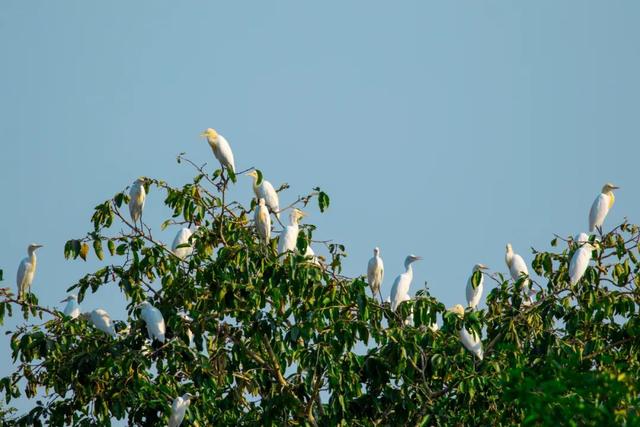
(289, 340)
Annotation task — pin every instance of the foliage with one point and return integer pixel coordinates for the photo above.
(288, 340)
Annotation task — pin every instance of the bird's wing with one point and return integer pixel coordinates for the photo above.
(226, 155)
(371, 270)
(518, 267)
(22, 274)
(270, 196)
(287, 240)
(263, 214)
(470, 291)
(154, 319)
(399, 290)
(175, 419)
(578, 264)
(599, 210)
(181, 238)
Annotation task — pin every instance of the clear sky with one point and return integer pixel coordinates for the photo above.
(443, 129)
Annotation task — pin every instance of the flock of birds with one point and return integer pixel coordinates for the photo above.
(268, 203)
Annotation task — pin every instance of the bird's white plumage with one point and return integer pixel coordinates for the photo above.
(375, 272)
(263, 221)
(179, 409)
(289, 236)
(266, 191)
(400, 288)
(137, 197)
(518, 268)
(27, 271)
(72, 309)
(471, 342)
(101, 320)
(182, 237)
(221, 149)
(154, 321)
(598, 212)
(582, 238)
(474, 294)
(579, 262)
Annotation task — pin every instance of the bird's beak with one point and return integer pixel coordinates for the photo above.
(483, 267)
(302, 214)
(39, 246)
(65, 300)
(615, 187)
(417, 258)
(204, 134)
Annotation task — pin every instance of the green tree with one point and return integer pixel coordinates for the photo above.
(288, 340)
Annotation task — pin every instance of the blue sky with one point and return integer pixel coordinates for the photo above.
(444, 129)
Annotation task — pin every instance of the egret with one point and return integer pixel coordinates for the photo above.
(72, 309)
(289, 236)
(580, 261)
(375, 273)
(518, 268)
(266, 191)
(185, 317)
(179, 409)
(221, 148)
(154, 321)
(263, 221)
(182, 238)
(137, 196)
(400, 288)
(474, 294)
(470, 340)
(27, 271)
(101, 320)
(600, 207)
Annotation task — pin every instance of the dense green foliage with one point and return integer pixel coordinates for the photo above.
(290, 341)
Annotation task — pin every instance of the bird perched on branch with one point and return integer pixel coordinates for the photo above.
(221, 149)
(137, 197)
(178, 247)
(601, 206)
(27, 271)
(265, 191)
(263, 221)
(179, 409)
(154, 321)
(474, 293)
(400, 288)
(375, 273)
(289, 236)
(518, 268)
(470, 340)
(72, 309)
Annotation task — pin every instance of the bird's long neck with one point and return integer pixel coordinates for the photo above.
(255, 185)
(509, 258)
(612, 198)
(212, 141)
(409, 270)
(32, 258)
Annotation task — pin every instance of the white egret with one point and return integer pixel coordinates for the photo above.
(375, 273)
(101, 320)
(470, 340)
(400, 288)
(153, 319)
(137, 197)
(72, 309)
(187, 319)
(263, 221)
(600, 207)
(182, 238)
(580, 261)
(179, 409)
(266, 191)
(289, 236)
(221, 148)
(518, 268)
(27, 271)
(474, 294)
